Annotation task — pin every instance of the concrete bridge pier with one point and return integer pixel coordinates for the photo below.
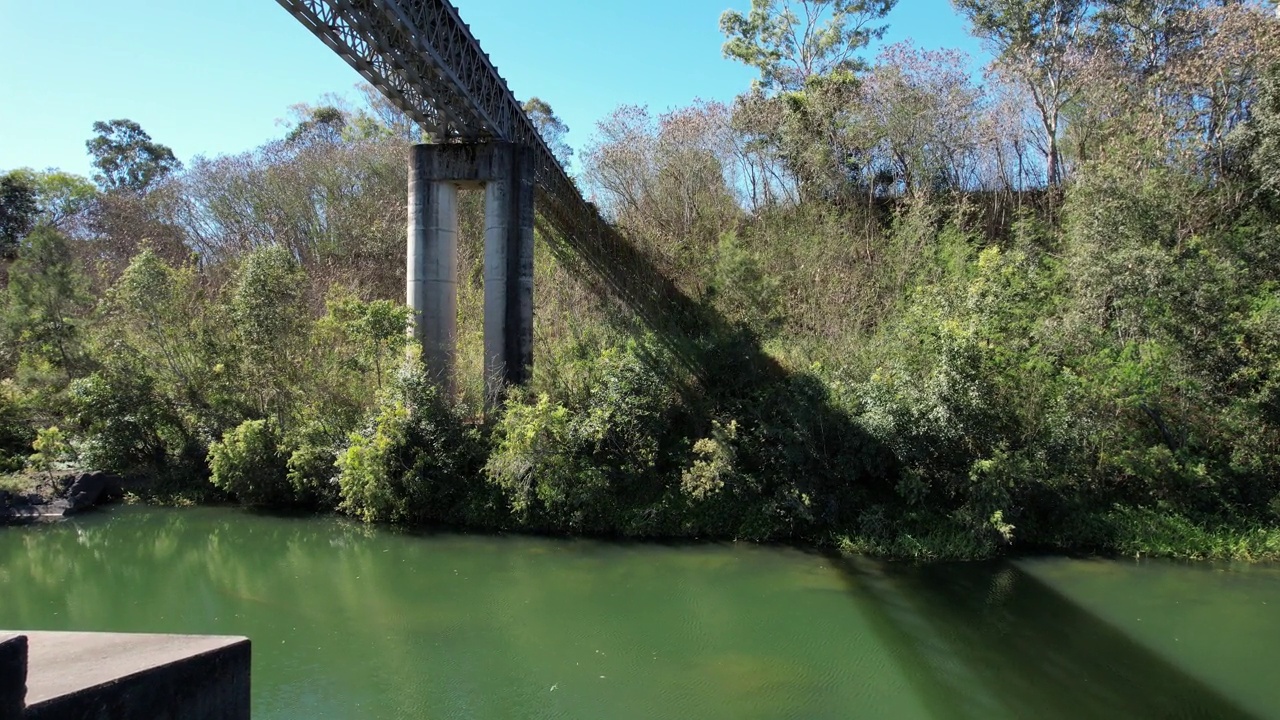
(506, 172)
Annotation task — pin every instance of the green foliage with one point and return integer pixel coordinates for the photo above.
(267, 312)
(47, 303)
(1265, 129)
(374, 332)
(323, 124)
(15, 430)
(966, 402)
(18, 210)
(248, 464)
(127, 158)
(743, 292)
(312, 467)
(127, 427)
(591, 459)
(550, 127)
(1138, 532)
(789, 48)
(414, 459)
(50, 448)
(714, 466)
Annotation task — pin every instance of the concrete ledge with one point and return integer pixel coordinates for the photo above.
(98, 676)
(13, 675)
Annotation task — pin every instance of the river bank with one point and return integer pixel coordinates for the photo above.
(31, 497)
(1118, 533)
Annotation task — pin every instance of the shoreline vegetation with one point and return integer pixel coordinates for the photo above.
(914, 315)
(1119, 534)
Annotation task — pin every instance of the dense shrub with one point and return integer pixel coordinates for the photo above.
(415, 460)
(599, 454)
(125, 427)
(248, 464)
(15, 431)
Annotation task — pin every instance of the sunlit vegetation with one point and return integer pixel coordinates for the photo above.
(955, 314)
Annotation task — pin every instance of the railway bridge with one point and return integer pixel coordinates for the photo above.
(425, 60)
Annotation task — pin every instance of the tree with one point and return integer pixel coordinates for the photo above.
(1143, 33)
(798, 109)
(47, 300)
(385, 115)
(790, 42)
(59, 196)
(1265, 156)
(666, 177)
(325, 123)
(268, 308)
(126, 157)
(550, 127)
(1034, 41)
(18, 211)
(922, 108)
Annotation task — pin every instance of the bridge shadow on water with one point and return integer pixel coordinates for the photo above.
(989, 640)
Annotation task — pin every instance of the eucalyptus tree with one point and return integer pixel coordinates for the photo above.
(552, 129)
(791, 41)
(18, 211)
(127, 158)
(806, 52)
(1036, 42)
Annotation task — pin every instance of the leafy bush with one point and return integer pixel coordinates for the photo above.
(414, 460)
(966, 399)
(15, 431)
(596, 457)
(127, 428)
(248, 464)
(313, 469)
(50, 448)
(743, 291)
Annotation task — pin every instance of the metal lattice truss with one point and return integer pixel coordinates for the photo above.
(422, 56)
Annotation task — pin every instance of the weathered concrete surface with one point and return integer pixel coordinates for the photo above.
(432, 271)
(508, 274)
(13, 675)
(103, 676)
(506, 171)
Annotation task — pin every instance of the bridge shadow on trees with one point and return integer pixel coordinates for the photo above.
(775, 457)
(991, 640)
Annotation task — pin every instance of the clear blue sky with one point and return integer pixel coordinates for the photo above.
(208, 78)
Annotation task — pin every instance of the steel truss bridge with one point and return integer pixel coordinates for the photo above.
(425, 60)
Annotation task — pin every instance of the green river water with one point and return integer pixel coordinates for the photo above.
(353, 622)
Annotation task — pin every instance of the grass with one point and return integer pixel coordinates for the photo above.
(17, 483)
(1147, 533)
(1119, 532)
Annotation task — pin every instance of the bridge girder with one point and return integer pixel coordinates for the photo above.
(424, 59)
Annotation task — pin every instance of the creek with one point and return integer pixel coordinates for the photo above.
(350, 621)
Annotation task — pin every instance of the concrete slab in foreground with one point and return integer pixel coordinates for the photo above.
(103, 676)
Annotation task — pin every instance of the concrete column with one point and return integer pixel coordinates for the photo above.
(506, 172)
(497, 228)
(432, 266)
(508, 270)
(520, 259)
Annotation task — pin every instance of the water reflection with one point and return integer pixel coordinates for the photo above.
(354, 622)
